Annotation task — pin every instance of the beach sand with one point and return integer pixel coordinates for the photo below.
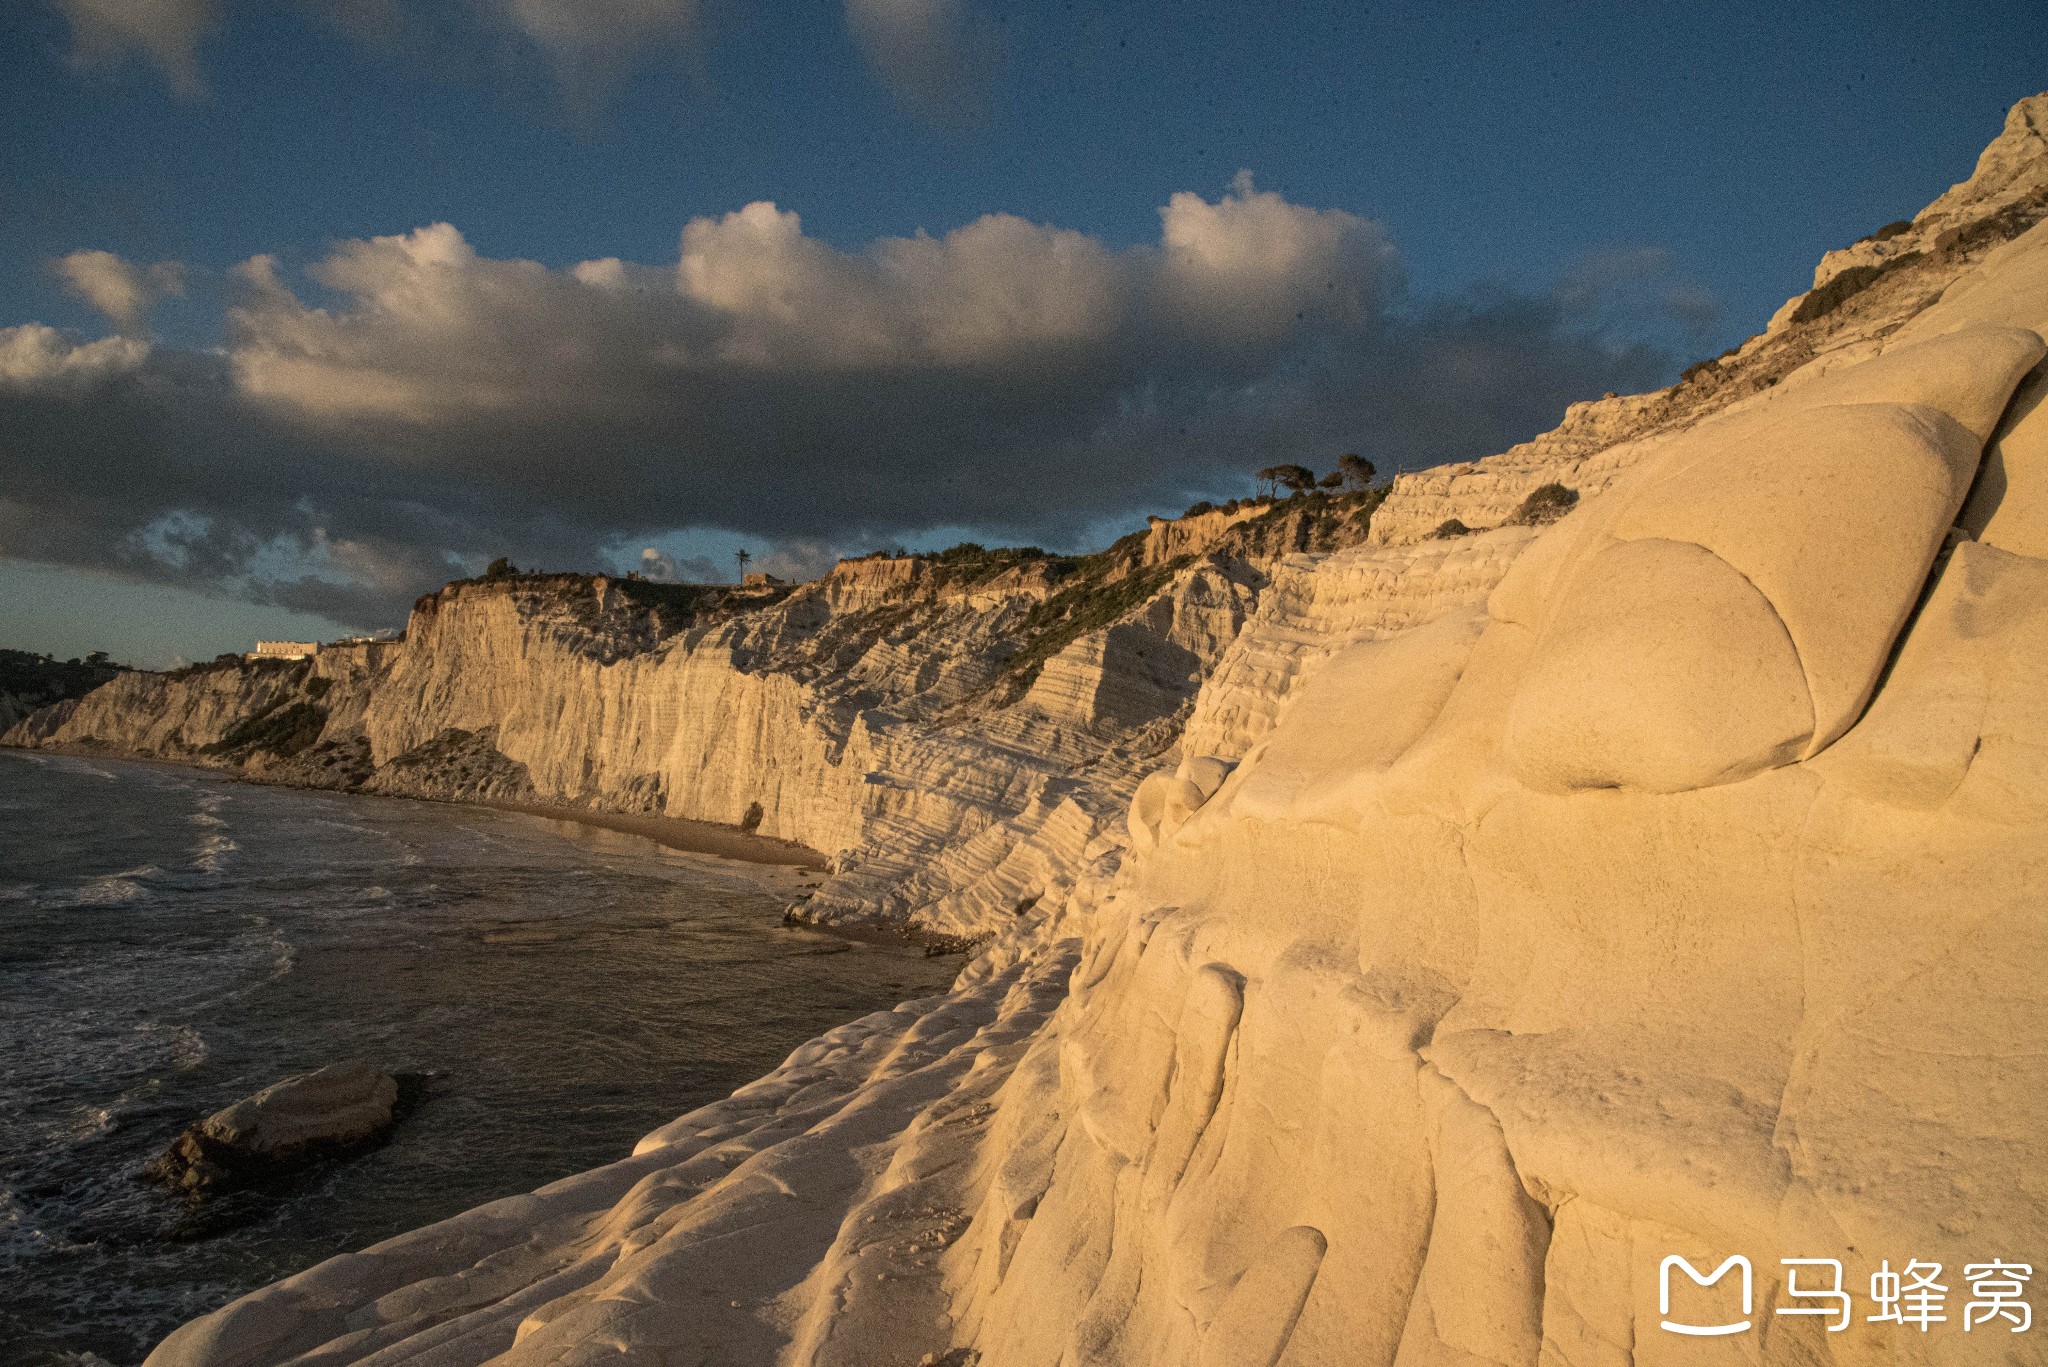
(680, 833)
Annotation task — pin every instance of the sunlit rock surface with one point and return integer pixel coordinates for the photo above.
(1517, 910)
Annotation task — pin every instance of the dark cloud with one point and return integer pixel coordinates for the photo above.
(1017, 379)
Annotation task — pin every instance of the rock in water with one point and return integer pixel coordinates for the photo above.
(338, 1111)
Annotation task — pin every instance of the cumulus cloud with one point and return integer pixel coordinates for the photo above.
(1252, 266)
(928, 53)
(122, 290)
(164, 32)
(439, 406)
(34, 358)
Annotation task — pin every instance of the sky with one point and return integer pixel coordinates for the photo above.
(307, 306)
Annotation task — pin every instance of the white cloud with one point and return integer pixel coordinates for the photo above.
(1252, 265)
(435, 330)
(122, 290)
(983, 293)
(165, 32)
(34, 357)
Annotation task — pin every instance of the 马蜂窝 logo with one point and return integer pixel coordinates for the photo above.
(1915, 1296)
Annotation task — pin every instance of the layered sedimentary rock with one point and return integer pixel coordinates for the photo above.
(954, 731)
(1520, 911)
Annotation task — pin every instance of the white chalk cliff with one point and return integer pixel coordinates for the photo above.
(954, 732)
(1513, 910)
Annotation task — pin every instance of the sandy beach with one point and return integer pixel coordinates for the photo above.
(680, 833)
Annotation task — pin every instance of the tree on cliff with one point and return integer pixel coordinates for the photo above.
(501, 568)
(1355, 470)
(742, 556)
(1293, 478)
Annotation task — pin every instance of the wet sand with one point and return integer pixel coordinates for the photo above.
(680, 833)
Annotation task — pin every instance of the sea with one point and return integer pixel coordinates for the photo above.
(172, 940)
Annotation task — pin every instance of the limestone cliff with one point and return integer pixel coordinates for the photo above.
(1521, 910)
(953, 729)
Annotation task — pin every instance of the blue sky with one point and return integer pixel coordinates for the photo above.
(1551, 201)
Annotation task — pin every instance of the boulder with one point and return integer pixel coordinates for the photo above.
(337, 1111)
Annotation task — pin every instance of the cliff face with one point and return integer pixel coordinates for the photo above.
(1521, 909)
(954, 730)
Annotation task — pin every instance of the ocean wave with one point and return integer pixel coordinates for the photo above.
(188, 1046)
(107, 890)
(284, 958)
(213, 852)
(22, 1235)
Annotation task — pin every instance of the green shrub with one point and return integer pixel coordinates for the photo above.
(1450, 527)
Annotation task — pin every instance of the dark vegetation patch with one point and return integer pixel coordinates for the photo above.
(1706, 367)
(282, 729)
(456, 765)
(970, 563)
(39, 680)
(1819, 303)
(341, 764)
(1707, 386)
(1543, 506)
(628, 616)
(1091, 601)
(232, 662)
(1450, 527)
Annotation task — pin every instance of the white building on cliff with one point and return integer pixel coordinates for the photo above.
(284, 650)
